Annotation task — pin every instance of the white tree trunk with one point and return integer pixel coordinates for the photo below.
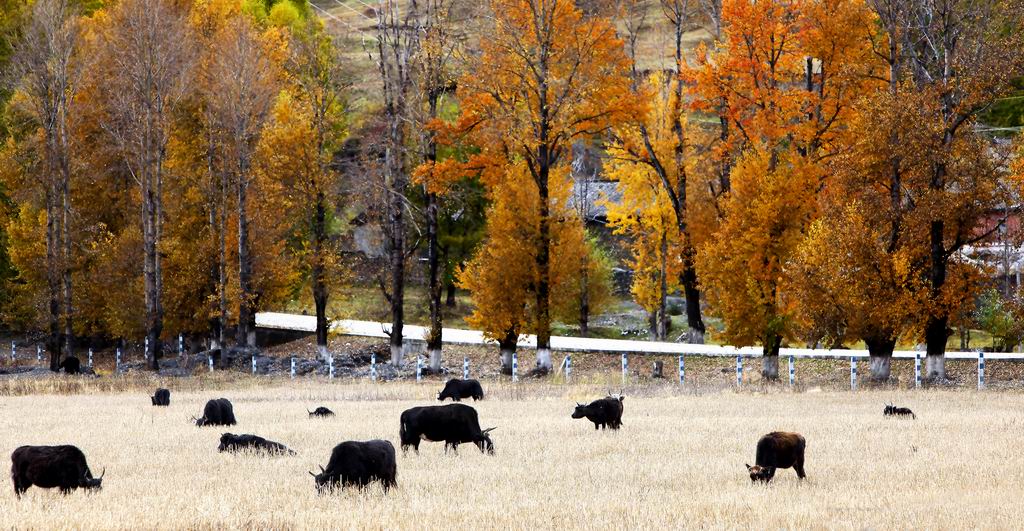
(770, 367)
(695, 337)
(935, 367)
(506, 360)
(880, 368)
(396, 355)
(435, 360)
(322, 349)
(544, 358)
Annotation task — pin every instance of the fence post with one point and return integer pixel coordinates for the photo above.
(917, 369)
(682, 369)
(568, 366)
(792, 370)
(465, 368)
(625, 369)
(419, 368)
(330, 365)
(209, 359)
(853, 373)
(117, 360)
(739, 369)
(515, 367)
(90, 357)
(145, 350)
(293, 367)
(981, 370)
(181, 345)
(373, 367)
(254, 365)
(12, 351)
(39, 354)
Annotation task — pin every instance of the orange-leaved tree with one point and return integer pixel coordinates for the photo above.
(782, 82)
(546, 76)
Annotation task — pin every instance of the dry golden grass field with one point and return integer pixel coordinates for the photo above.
(676, 463)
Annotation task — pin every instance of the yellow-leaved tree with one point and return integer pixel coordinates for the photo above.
(503, 275)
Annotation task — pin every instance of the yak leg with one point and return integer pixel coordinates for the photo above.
(19, 487)
(799, 467)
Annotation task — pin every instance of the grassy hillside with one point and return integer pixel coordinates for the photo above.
(353, 22)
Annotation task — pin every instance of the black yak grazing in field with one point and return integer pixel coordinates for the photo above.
(605, 412)
(454, 424)
(359, 463)
(162, 397)
(71, 365)
(320, 412)
(51, 466)
(457, 389)
(229, 442)
(778, 449)
(217, 412)
(891, 410)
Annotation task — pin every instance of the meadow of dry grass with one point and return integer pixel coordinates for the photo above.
(677, 462)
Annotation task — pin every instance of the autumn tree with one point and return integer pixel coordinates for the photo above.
(783, 83)
(46, 67)
(660, 141)
(847, 284)
(144, 59)
(309, 124)
(971, 58)
(546, 76)
(911, 190)
(242, 84)
(503, 273)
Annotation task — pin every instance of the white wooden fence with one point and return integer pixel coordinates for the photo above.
(307, 323)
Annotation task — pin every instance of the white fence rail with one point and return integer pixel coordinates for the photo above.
(307, 323)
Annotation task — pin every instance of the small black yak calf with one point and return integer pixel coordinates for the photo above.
(162, 397)
(605, 412)
(778, 449)
(46, 467)
(891, 410)
(359, 463)
(457, 389)
(454, 424)
(320, 412)
(229, 442)
(217, 412)
(71, 365)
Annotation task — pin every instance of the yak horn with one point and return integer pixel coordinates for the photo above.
(311, 473)
(489, 430)
(308, 411)
(102, 473)
(322, 469)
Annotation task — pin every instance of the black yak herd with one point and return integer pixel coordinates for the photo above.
(359, 463)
